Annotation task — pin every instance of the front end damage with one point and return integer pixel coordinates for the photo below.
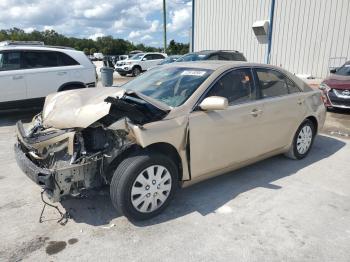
(66, 161)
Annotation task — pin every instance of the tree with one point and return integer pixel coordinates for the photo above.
(86, 51)
(106, 44)
(175, 48)
(93, 50)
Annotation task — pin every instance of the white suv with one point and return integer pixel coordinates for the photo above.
(138, 63)
(31, 71)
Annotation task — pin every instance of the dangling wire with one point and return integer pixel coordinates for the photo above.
(64, 216)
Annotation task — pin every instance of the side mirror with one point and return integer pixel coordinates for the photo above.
(214, 103)
(332, 71)
(144, 59)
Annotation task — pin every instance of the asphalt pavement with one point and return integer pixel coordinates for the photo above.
(275, 210)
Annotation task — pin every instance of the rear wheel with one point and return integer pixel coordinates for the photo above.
(303, 140)
(143, 185)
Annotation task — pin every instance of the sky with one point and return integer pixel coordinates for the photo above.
(139, 21)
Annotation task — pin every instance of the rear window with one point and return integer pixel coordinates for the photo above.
(66, 60)
(272, 83)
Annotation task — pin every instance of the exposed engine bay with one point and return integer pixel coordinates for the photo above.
(65, 161)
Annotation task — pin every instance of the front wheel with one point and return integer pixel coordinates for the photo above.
(143, 185)
(136, 71)
(303, 140)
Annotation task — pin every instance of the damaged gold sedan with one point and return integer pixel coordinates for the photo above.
(170, 127)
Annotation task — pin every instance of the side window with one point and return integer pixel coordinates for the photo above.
(66, 60)
(157, 56)
(237, 86)
(292, 87)
(225, 56)
(38, 59)
(238, 57)
(148, 57)
(272, 83)
(213, 57)
(10, 61)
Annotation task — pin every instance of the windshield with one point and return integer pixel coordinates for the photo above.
(344, 70)
(192, 57)
(172, 86)
(137, 56)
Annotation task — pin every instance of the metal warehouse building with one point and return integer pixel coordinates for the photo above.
(308, 36)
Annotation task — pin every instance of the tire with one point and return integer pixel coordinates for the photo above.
(152, 200)
(136, 71)
(297, 150)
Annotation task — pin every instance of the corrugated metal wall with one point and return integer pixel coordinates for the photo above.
(307, 33)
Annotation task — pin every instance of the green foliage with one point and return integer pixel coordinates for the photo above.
(107, 44)
(177, 48)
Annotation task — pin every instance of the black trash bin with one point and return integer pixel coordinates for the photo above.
(107, 75)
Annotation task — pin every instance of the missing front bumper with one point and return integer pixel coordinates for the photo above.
(59, 182)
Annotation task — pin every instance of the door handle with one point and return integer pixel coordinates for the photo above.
(255, 112)
(300, 101)
(61, 73)
(17, 77)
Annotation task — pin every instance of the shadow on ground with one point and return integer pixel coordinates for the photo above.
(340, 112)
(11, 117)
(207, 196)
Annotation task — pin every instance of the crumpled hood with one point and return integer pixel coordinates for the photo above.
(78, 108)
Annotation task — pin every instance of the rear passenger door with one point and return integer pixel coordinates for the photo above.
(45, 72)
(284, 107)
(157, 59)
(12, 81)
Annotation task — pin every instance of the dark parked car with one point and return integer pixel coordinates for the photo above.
(169, 59)
(213, 55)
(336, 88)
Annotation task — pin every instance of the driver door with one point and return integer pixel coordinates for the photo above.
(222, 138)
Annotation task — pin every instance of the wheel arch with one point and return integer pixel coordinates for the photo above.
(313, 119)
(169, 150)
(159, 147)
(134, 66)
(66, 86)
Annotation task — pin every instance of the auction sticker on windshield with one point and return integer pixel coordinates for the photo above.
(193, 73)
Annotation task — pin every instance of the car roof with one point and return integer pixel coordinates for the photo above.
(38, 48)
(215, 64)
(215, 51)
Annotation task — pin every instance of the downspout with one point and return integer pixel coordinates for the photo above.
(272, 12)
(192, 45)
